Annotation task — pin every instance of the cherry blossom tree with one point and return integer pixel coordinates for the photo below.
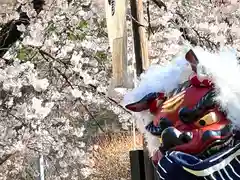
(54, 79)
(53, 84)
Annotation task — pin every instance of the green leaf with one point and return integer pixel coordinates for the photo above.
(81, 36)
(24, 53)
(51, 27)
(82, 25)
(101, 55)
(74, 37)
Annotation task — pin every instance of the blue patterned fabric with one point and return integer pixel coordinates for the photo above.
(181, 166)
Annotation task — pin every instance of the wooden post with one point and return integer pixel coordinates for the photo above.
(142, 33)
(142, 63)
(117, 34)
(136, 38)
(137, 165)
(139, 37)
(150, 171)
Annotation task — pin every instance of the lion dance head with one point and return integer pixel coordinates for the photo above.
(188, 117)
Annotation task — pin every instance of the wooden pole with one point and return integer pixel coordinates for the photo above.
(139, 37)
(142, 33)
(117, 34)
(136, 38)
(142, 63)
(137, 156)
(137, 165)
(148, 166)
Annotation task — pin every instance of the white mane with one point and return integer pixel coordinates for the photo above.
(160, 79)
(224, 70)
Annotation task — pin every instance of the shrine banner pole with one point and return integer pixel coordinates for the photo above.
(117, 34)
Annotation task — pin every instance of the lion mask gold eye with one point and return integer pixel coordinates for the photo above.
(207, 120)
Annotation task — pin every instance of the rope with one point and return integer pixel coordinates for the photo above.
(134, 134)
(134, 119)
(41, 167)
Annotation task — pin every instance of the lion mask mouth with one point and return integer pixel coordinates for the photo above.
(172, 138)
(190, 141)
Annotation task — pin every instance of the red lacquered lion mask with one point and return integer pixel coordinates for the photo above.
(187, 119)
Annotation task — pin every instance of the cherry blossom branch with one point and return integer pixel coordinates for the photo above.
(150, 30)
(202, 40)
(110, 99)
(6, 157)
(136, 21)
(70, 84)
(90, 114)
(43, 53)
(160, 4)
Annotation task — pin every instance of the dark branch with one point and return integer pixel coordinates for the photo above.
(160, 4)
(150, 30)
(5, 158)
(9, 34)
(38, 5)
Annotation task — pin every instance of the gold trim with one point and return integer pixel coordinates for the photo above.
(173, 103)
